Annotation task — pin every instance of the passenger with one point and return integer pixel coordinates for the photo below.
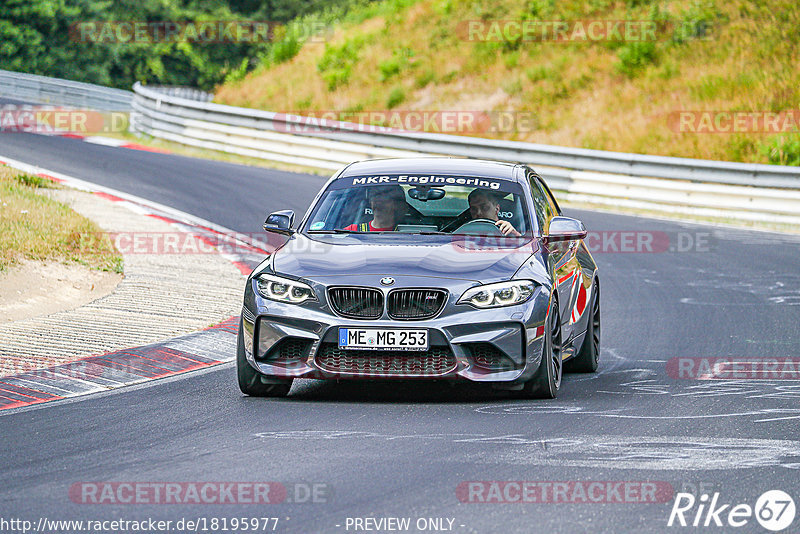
(388, 204)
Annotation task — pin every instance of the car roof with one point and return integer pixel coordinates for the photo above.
(434, 165)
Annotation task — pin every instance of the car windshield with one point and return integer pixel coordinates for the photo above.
(421, 205)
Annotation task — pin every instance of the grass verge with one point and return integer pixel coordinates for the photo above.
(35, 227)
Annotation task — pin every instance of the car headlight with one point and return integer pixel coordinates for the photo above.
(499, 294)
(283, 289)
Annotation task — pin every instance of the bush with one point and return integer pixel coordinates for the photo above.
(539, 72)
(450, 76)
(34, 181)
(424, 79)
(541, 8)
(337, 77)
(396, 97)
(388, 68)
(635, 56)
(696, 22)
(336, 63)
(238, 73)
(285, 49)
(396, 64)
(637, 3)
(783, 150)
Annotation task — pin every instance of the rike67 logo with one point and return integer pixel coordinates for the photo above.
(774, 510)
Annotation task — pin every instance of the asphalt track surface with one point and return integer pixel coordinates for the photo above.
(401, 449)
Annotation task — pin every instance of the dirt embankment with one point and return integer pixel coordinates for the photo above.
(35, 288)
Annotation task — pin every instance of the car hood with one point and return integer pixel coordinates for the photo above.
(460, 258)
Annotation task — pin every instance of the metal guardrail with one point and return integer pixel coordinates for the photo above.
(186, 115)
(704, 187)
(189, 93)
(574, 158)
(55, 91)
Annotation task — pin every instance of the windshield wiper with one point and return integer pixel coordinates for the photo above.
(523, 236)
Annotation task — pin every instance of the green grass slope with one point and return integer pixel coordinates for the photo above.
(719, 57)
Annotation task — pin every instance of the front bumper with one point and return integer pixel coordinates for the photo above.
(300, 341)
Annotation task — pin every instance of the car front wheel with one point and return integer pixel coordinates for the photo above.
(547, 380)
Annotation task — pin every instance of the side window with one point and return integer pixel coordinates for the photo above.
(544, 210)
(551, 199)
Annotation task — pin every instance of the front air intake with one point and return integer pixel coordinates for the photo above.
(436, 361)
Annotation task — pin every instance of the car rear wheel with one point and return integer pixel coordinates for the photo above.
(588, 357)
(547, 380)
(250, 381)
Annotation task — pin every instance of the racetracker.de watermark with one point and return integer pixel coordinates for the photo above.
(730, 122)
(565, 31)
(700, 368)
(207, 492)
(205, 32)
(598, 242)
(647, 241)
(381, 121)
(188, 243)
(54, 120)
(142, 524)
(177, 493)
(570, 491)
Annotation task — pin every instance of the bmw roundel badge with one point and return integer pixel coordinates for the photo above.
(387, 280)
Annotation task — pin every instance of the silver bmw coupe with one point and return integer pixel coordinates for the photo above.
(424, 268)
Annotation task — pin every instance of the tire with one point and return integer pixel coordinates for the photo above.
(250, 380)
(587, 358)
(547, 380)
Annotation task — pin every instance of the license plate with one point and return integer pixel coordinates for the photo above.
(382, 339)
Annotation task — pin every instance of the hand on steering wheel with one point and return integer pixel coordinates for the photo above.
(507, 228)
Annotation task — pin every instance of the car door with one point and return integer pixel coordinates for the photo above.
(562, 255)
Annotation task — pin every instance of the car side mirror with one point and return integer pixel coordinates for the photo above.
(280, 222)
(565, 229)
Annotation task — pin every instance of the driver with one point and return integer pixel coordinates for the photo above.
(483, 204)
(388, 203)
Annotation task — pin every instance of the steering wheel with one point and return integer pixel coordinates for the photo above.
(478, 227)
(457, 222)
